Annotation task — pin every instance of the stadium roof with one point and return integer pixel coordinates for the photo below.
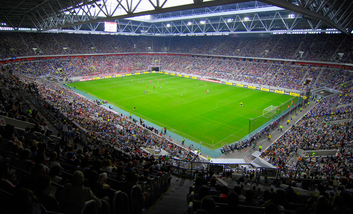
(179, 17)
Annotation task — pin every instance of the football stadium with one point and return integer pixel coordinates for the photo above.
(176, 106)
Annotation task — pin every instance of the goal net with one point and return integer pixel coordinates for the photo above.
(269, 111)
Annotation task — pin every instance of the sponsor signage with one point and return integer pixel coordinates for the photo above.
(166, 73)
(195, 78)
(265, 89)
(279, 92)
(229, 83)
(239, 85)
(186, 76)
(252, 87)
(148, 72)
(172, 74)
(179, 75)
(137, 73)
(153, 72)
(96, 78)
(107, 77)
(161, 72)
(119, 75)
(127, 74)
(294, 94)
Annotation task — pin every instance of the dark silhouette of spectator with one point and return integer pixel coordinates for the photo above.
(208, 204)
(48, 201)
(75, 195)
(25, 202)
(6, 184)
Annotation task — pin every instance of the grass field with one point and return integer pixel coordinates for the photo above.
(215, 118)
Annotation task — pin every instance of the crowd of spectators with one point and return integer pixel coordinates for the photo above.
(110, 148)
(312, 47)
(276, 74)
(227, 192)
(316, 132)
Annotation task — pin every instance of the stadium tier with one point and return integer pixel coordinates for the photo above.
(305, 144)
(325, 47)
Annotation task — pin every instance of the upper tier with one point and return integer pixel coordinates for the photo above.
(322, 47)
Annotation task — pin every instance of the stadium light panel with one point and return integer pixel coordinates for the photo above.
(202, 22)
(230, 20)
(246, 19)
(189, 23)
(168, 25)
(291, 16)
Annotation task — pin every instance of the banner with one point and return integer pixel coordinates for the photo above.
(252, 87)
(166, 73)
(172, 74)
(294, 94)
(229, 83)
(119, 75)
(96, 78)
(148, 72)
(179, 75)
(153, 72)
(279, 92)
(265, 89)
(127, 74)
(195, 78)
(186, 76)
(210, 80)
(85, 79)
(107, 77)
(239, 85)
(137, 73)
(161, 72)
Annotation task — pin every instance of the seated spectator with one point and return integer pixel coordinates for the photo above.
(48, 201)
(6, 184)
(75, 195)
(249, 199)
(271, 209)
(339, 207)
(237, 190)
(208, 204)
(31, 182)
(24, 201)
(322, 206)
(224, 193)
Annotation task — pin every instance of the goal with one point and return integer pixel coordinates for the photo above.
(269, 111)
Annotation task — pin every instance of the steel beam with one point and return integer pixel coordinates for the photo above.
(305, 11)
(158, 9)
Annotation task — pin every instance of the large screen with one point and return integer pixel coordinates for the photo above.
(110, 27)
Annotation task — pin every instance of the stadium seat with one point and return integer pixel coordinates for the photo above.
(90, 207)
(136, 200)
(120, 203)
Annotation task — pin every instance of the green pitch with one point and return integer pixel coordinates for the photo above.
(183, 106)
